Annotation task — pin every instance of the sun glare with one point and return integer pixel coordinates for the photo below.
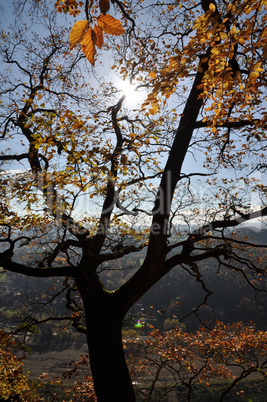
(128, 89)
(133, 96)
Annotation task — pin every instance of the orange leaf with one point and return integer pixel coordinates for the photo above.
(104, 6)
(110, 25)
(152, 75)
(99, 36)
(77, 32)
(88, 46)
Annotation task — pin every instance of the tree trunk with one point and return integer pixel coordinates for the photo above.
(112, 381)
(110, 373)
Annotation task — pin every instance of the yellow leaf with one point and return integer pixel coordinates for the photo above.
(257, 67)
(152, 75)
(104, 6)
(110, 25)
(233, 30)
(77, 32)
(212, 7)
(88, 46)
(215, 51)
(223, 35)
(254, 75)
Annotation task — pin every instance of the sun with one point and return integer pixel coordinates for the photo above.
(128, 89)
(132, 92)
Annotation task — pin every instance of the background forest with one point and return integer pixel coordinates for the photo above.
(233, 299)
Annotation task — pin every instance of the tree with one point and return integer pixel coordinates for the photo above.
(69, 141)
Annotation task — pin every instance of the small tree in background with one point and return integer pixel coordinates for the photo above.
(14, 385)
(227, 353)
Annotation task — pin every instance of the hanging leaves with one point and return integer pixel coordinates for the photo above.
(93, 37)
(110, 25)
(77, 32)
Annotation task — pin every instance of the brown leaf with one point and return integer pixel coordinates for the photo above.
(104, 6)
(88, 46)
(110, 25)
(94, 37)
(99, 36)
(78, 32)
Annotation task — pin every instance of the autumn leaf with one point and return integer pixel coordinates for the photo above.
(99, 36)
(110, 25)
(253, 75)
(104, 6)
(212, 7)
(152, 75)
(88, 45)
(77, 32)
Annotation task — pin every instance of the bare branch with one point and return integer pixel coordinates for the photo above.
(43, 272)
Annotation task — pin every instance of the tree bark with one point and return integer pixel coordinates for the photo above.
(112, 381)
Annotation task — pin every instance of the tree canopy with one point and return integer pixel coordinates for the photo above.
(89, 175)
